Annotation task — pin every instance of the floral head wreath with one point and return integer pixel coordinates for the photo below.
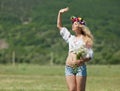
(78, 19)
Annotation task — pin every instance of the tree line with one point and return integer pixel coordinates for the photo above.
(28, 32)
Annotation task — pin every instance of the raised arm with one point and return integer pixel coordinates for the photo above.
(59, 19)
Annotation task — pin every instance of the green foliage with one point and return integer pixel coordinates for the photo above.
(29, 28)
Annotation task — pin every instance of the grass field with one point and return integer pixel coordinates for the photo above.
(26, 77)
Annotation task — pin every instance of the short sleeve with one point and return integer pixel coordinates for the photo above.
(65, 34)
(89, 53)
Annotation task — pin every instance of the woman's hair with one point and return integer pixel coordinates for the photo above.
(86, 32)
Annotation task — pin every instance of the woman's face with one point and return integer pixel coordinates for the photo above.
(75, 26)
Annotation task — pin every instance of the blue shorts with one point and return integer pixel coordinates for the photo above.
(78, 71)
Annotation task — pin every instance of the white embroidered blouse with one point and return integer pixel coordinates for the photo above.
(73, 44)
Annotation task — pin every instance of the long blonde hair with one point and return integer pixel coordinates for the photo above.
(88, 36)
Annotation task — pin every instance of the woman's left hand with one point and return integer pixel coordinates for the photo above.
(79, 62)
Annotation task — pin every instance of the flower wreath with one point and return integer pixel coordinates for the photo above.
(78, 19)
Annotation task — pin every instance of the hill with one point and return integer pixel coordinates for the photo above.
(28, 30)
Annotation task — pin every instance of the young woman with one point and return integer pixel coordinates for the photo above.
(75, 69)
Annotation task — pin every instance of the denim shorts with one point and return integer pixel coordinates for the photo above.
(78, 71)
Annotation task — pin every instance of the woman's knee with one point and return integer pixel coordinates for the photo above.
(72, 90)
(80, 89)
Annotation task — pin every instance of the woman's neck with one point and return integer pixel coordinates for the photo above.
(78, 35)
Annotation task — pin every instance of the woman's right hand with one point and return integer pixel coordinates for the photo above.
(64, 10)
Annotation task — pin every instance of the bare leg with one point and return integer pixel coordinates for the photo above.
(71, 82)
(81, 83)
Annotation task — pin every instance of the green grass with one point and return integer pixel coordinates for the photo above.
(26, 77)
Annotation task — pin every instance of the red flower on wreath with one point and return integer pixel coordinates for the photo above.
(78, 19)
